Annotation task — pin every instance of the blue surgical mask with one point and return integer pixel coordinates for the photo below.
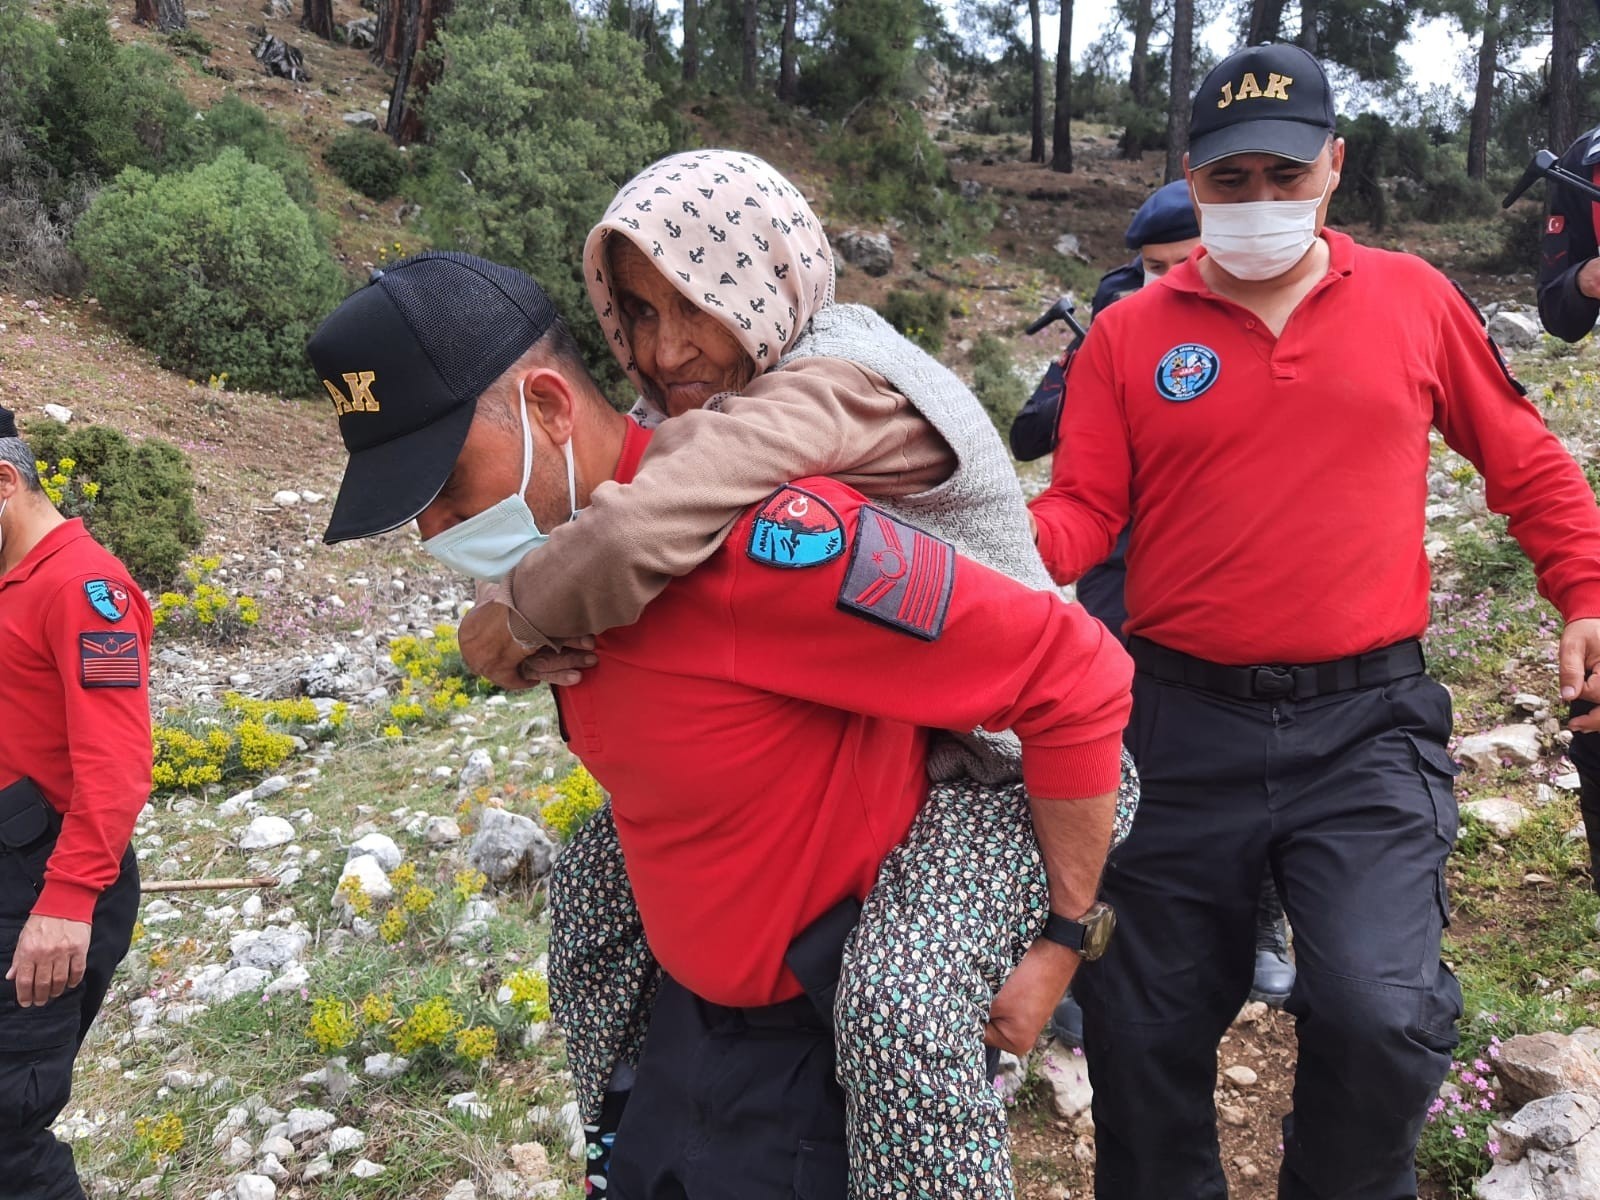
(488, 545)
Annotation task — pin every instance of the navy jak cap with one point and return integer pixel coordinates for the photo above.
(404, 361)
(1270, 99)
(8, 423)
(1167, 216)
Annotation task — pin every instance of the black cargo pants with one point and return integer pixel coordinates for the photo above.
(38, 1044)
(1346, 797)
(741, 1103)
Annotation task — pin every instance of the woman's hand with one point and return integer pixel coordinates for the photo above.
(559, 666)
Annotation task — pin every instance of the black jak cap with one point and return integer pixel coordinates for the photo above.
(8, 423)
(405, 360)
(1271, 99)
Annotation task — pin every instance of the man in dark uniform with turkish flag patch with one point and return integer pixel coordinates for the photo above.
(1569, 305)
(1569, 255)
(75, 760)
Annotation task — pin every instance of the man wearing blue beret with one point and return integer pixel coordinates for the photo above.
(1162, 233)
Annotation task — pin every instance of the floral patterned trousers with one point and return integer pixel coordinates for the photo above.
(955, 906)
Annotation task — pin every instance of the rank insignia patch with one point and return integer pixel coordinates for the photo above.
(1187, 371)
(108, 599)
(109, 660)
(899, 576)
(796, 529)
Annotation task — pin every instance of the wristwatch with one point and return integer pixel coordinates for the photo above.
(1088, 936)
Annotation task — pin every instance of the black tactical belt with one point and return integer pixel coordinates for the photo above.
(1280, 681)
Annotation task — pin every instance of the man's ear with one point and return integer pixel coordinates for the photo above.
(551, 402)
(10, 481)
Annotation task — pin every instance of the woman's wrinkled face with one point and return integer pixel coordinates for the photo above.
(685, 354)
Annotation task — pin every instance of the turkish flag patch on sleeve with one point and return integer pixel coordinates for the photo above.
(899, 576)
(1555, 224)
(108, 660)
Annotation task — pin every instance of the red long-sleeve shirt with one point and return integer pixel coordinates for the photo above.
(75, 708)
(1277, 485)
(763, 747)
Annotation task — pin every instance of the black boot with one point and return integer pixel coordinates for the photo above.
(1274, 975)
(1589, 805)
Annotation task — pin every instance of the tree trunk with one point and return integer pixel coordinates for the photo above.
(788, 79)
(1483, 98)
(1266, 21)
(166, 15)
(752, 25)
(1182, 84)
(1139, 68)
(691, 40)
(1036, 151)
(1309, 11)
(1061, 135)
(1138, 75)
(317, 18)
(390, 35)
(415, 69)
(1564, 75)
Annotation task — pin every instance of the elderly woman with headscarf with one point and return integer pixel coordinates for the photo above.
(713, 281)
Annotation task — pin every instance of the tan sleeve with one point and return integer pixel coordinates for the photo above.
(700, 472)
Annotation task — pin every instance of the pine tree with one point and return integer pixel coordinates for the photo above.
(1061, 136)
(1182, 87)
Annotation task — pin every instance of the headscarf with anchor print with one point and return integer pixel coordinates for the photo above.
(731, 234)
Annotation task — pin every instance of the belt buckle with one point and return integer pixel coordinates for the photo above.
(1271, 683)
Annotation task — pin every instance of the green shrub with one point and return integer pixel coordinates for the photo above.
(1448, 194)
(236, 123)
(923, 317)
(887, 166)
(367, 162)
(107, 106)
(74, 108)
(144, 510)
(995, 382)
(189, 41)
(1521, 235)
(213, 269)
(520, 168)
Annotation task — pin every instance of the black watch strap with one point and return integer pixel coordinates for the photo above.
(1086, 936)
(1065, 932)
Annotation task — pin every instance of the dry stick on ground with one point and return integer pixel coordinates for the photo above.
(976, 287)
(208, 885)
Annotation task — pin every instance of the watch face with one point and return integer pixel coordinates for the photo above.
(1097, 929)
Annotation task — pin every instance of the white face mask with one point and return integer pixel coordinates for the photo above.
(488, 545)
(1260, 239)
(3, 504)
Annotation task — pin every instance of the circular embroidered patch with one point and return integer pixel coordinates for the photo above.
(1186, 371)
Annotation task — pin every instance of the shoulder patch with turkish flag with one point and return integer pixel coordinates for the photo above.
(795, 528)
(899, 576)
(108, 598)
(109, 660)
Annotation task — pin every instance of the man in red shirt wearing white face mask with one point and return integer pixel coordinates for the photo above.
(1272, 458)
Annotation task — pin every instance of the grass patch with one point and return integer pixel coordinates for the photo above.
(257, 1050)
(1523, 929)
